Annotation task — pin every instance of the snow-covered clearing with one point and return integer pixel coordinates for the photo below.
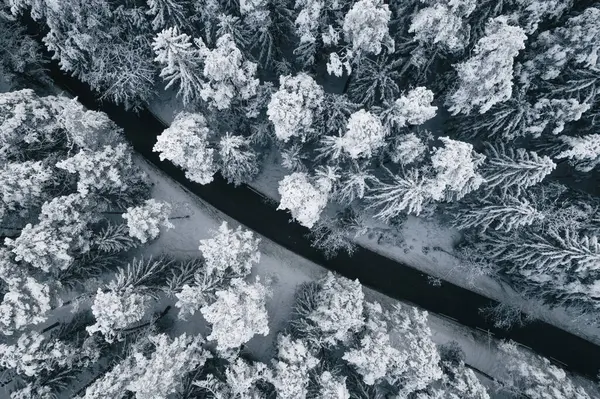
(286, 271)
(419, 243)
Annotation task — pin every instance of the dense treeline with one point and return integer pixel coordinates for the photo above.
(85, 315)
(482, 111)
(468, 109)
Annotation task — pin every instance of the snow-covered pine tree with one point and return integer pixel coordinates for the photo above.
(23, 186)
(364, 136)
(168, 13)
(112, 53)
(62, 231)
(554, 114)
(558, 264)
(584, 151)
(161, 374)
(535, 377)
(354, 183)
(459, 381)
(155, 369)
(185, 143)
(21, 59)
(302, 197)
(108, 172)
(376, 80)
(229, 255)
(366, 27)
(409, 192)
(240, 380)
(407, 149)
(375, 356)
(126, 300)
(227, 76)
(238, 162)
(334, 234)
(144, 221)
(234, 250)
(573, 45)
(294, 106)
(504, 213)
(237, 314)
(457, 169)
(533, 12)
(181, 61)
(35, 354)
(336, 109)
(486, 78)
(508, 168)
(29, 125)
(410, 334)
(318, 25)
(443, 24)
(27, 302)
(336, 312)
(412, 108)
(291, 368)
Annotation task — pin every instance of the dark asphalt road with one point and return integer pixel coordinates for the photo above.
(375, 271)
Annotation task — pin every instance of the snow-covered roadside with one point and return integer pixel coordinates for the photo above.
(286, 271)
(421, 244)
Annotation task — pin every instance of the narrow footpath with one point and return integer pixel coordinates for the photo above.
(382, 274)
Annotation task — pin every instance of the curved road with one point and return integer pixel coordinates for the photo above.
(382, 274)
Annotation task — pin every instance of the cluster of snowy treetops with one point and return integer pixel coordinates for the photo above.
(481, 111)
(84, 316)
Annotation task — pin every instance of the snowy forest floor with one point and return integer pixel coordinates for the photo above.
(422, 244)
(286, 271)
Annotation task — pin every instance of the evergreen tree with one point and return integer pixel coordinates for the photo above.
(584, 151)
(504, 213)
(291, 368)
(168, 13)
(227, 76)
(364, 135)
(457, 169)
(302, 198)
(143, 221)
(101, 43)
(536, 377)
(573, 45)
(413, 108)
(294, 106)
(238, 162)
(507, 168)
(181, 61)
(366, 27)
(408, 192)
(443, 24)
(22, 185)
(237, 314)
(485, 79)
(185, 143)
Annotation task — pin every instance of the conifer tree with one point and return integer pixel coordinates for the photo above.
(143, 221)
(507, 168)
(181, 61)
(294, 106)
(486, 78)
(185, 143)
(303, 198)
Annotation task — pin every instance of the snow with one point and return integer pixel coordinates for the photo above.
(422, 244)
(286, 271)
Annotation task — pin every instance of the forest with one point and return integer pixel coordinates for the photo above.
(476, 116)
